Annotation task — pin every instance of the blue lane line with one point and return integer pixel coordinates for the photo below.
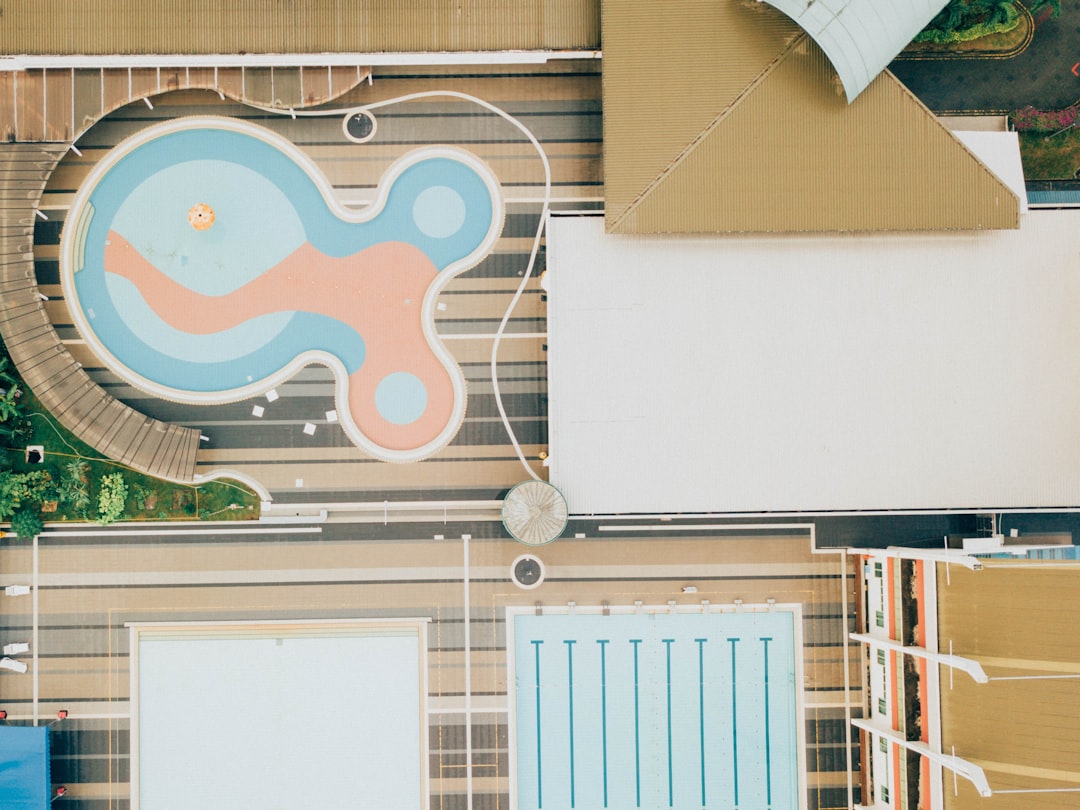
(637, 725)
(768, 764)
(539, 769)
(603, 708)
(670, 765)
(570, 666)
(734, 724)
(701, 709)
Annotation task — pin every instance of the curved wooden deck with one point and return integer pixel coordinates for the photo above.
(58, 380)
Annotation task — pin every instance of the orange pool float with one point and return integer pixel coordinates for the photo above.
(200, 216)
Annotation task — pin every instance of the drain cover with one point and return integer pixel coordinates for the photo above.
(527, 571)
(534, 512)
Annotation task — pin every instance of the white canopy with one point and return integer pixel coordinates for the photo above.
(860, 37)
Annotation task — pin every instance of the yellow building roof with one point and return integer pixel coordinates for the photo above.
(724, 116)
(134, 27)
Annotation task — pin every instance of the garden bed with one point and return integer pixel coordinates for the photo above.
(1049, 142)
(73, 482)
(980, 34)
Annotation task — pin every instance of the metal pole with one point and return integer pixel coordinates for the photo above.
(465, 538)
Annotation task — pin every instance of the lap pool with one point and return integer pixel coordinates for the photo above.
(656, 709)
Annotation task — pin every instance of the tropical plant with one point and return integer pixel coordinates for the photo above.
(73, 487)
(17, 489)
(26, 523)
(111, 498)
(1035, 6)
(9, 404)
(964, 20)
(140, 495)
(4, 365)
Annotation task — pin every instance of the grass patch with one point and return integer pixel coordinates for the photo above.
(147, 498)
(1050, 157)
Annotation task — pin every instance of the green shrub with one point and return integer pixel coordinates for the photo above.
(965, 20)
(111, 498)
(140, 494)
(27, 523)
(74, 486)
(17, 489)
(1038, 5)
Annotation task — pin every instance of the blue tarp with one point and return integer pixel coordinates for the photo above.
(24, 768)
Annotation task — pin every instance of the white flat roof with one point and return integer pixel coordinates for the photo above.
(279, 715)
(833, 372)
(1000, 152)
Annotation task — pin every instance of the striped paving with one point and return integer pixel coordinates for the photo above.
(92, 584)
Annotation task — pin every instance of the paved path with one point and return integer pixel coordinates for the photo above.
(1041, 75)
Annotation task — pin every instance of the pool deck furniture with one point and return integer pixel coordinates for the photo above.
(12, 665)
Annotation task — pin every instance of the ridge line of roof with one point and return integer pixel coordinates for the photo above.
(687, 150)
(930, 113)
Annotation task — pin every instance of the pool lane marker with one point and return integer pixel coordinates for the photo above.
(670, 774)
(539, 770)
(734, 724)
(701, 709)
(570, 675)
(768, 764)
(637, 725)
(603, 709)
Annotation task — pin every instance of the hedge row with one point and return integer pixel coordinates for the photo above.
(1030, 119)
(938, 37)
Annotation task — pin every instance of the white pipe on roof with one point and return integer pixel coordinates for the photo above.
(971, 667)
(969, 770)
(224, 60)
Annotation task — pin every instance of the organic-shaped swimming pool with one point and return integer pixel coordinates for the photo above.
(206, 261)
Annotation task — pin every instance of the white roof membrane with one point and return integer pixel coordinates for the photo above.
(838, 372)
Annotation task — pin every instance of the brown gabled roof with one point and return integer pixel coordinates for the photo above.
(136, 27)
(723, 116)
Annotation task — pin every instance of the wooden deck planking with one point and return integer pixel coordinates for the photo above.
(7, 106)
(89, 98)
(144, 83)
(30, 105)
(59, 100)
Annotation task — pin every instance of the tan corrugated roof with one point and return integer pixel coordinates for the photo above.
(110, 27)
(1023, 732)
(727, 118)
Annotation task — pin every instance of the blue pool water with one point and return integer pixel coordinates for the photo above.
(656, 711)
(266, 205)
